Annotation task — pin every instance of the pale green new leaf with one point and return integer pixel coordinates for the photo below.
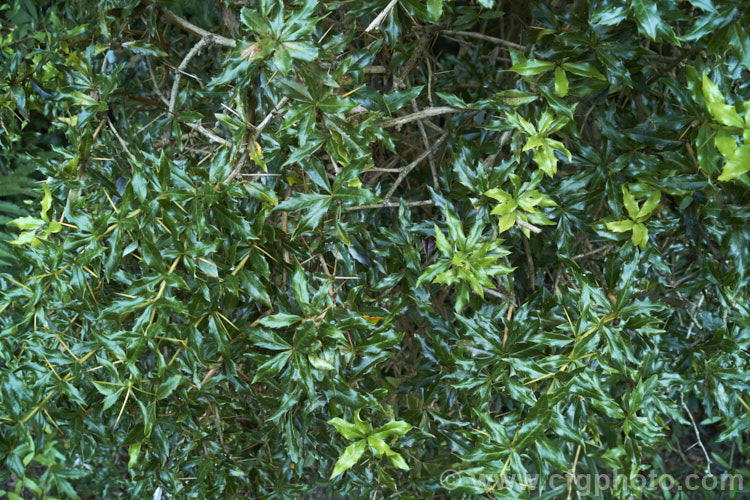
(620, 226)
(435, 9)
(395, 427)
(442, 242)
(346, 429)
(498, 194)
(505, 208)
(717, 106)
(350, 457)
(545, 158)
(506, 222)
(648, 206)
(27, 223)
(46, 202)
(726, 144)
(398, 461)
(629, 201)
(640, 234)
(378, 446)
(737, 165)
(25, 238)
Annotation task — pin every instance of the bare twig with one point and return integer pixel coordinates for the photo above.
(677, 60)
(140, 130)
(425, 113)
(605, 248)
(264, 123)
(207, 40)
(217, 421)
(336, 168)
(426, 142)
(434, 127)
(367, 70)
(408, 168)
(487, 38)
(391, 204)
(693, 321)
(508, 317)
(213, 137)
(572, 476)
(324, 264)
(236, 170)
(188, 26)
(379, 19)
(429, 80)
(425, 39)
(155, 84)
(171, 103)
(531, 270)
(697, 434)
(494, 293)
(119, 138)
(466, 43)
(528, 226)
(383, 169)
(375, 70)
(258, 130)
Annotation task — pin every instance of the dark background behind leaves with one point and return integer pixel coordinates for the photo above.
(438, 216)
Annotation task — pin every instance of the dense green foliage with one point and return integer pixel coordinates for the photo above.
(396, 248)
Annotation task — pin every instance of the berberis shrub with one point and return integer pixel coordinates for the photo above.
(380, 248)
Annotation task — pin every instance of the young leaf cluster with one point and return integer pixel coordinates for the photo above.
(490, 243)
